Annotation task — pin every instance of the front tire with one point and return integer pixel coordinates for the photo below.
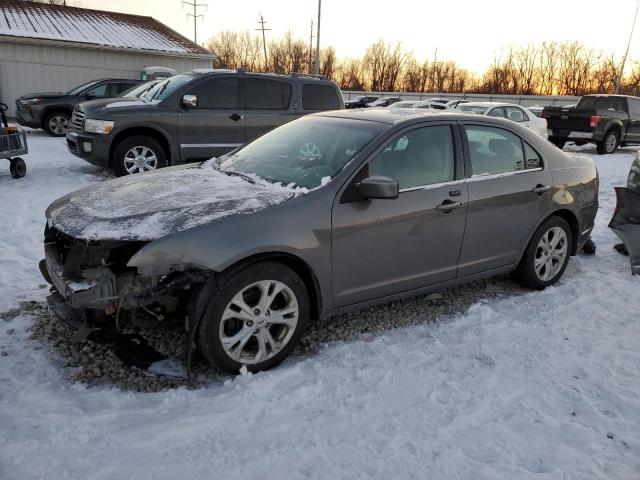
(547, 255)
(609, 143)
(56, 124)
(255, 318)
(137, 154)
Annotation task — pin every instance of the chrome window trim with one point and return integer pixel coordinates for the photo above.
(432, 185)
(475, 178)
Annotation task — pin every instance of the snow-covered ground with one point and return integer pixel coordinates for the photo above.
(535, 385)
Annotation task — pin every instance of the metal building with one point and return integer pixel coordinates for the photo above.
(48, 48)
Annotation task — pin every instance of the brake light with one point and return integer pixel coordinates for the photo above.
(594, 120)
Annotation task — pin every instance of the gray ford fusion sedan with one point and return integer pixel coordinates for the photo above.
(332, 212)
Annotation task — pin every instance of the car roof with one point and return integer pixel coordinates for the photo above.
(491, 104)
(398, 115)
(199, 72)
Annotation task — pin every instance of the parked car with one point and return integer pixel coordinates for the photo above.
(193, 116)
(626, 218)
(536, 110)
(403, 104)
(606, 120)
(52, 111)
(360, 101)
(430, 105)
(443, 101)
(383, 102)
(454, 103)
(329, 213)
(138, 90)
(511, 111)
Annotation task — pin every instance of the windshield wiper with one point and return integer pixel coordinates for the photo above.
(244, 176)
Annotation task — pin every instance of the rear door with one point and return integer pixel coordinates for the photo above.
(268, 104)
(509, 194)
(216, 125)
(633, 130)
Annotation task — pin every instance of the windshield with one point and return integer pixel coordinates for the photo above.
(306, 152)
(472, 109)
(138, 90)
(79, 88)
(163, 89)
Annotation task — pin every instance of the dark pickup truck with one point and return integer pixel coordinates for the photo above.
(606, 120)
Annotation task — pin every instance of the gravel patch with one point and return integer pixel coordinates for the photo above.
(96, 363)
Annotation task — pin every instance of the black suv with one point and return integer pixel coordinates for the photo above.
(193, 116)
(52, 111)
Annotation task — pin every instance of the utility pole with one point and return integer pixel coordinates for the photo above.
(262, 22)
(311, 37)
(624, 59)
(195, 16)
(318, 40)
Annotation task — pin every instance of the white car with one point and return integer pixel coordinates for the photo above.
(429, 104)
(512, 111)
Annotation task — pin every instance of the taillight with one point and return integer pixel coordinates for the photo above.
(594, 120)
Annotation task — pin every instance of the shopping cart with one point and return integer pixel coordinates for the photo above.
(12, 144)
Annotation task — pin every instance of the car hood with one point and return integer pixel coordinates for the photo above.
(42, 95)
(151, 205)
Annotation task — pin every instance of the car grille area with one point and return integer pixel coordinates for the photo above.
(77, 120)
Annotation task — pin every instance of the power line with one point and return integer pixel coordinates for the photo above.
(624, 59)
(262, 23)
(195, 16)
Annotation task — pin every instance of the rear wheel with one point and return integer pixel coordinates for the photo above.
(56, 124)
(255, 319)
(17, 167)
(137, 154)
(547, 255)
(609, 143)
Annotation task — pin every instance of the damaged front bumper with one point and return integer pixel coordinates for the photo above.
(626, 224)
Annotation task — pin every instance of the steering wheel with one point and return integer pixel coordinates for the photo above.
(3, 107)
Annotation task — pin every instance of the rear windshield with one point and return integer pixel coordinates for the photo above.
(617, 104)
(166, 87)
(320, 97)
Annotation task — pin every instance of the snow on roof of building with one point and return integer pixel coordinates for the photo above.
(97, 27)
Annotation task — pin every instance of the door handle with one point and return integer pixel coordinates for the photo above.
(448, 205)
(235, 117)
(540, 189)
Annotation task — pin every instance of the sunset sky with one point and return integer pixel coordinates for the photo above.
(471, 32)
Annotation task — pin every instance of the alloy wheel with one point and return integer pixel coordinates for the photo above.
(551, 253)
(140, 159)
(259, 322)
(58, 124)
(610, 143)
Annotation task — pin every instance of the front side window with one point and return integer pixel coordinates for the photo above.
(217, 93)
(495, 150)
(421, 157)
(98, 92)
(319, 97)
(264, 94)
(634, 106)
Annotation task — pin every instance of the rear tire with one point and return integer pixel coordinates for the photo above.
(56, 123)
(17, 167)
(137, 154)
(609, 143)
(246, 324)
(547, 255)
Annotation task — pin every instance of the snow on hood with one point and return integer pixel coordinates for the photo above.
(151, 205)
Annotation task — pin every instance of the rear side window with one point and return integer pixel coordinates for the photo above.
(516, 115)
(494, 150)
(217, 93)
(264, 94)
(634, 107)
(319, 97)
(496, 112)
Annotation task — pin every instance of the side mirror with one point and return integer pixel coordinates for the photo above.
(379, 187)
(190, 101)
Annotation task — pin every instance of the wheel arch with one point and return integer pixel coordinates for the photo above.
(295, 263)
(53, 109)
(157, 135)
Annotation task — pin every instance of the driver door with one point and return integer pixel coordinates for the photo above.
(385, 247)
